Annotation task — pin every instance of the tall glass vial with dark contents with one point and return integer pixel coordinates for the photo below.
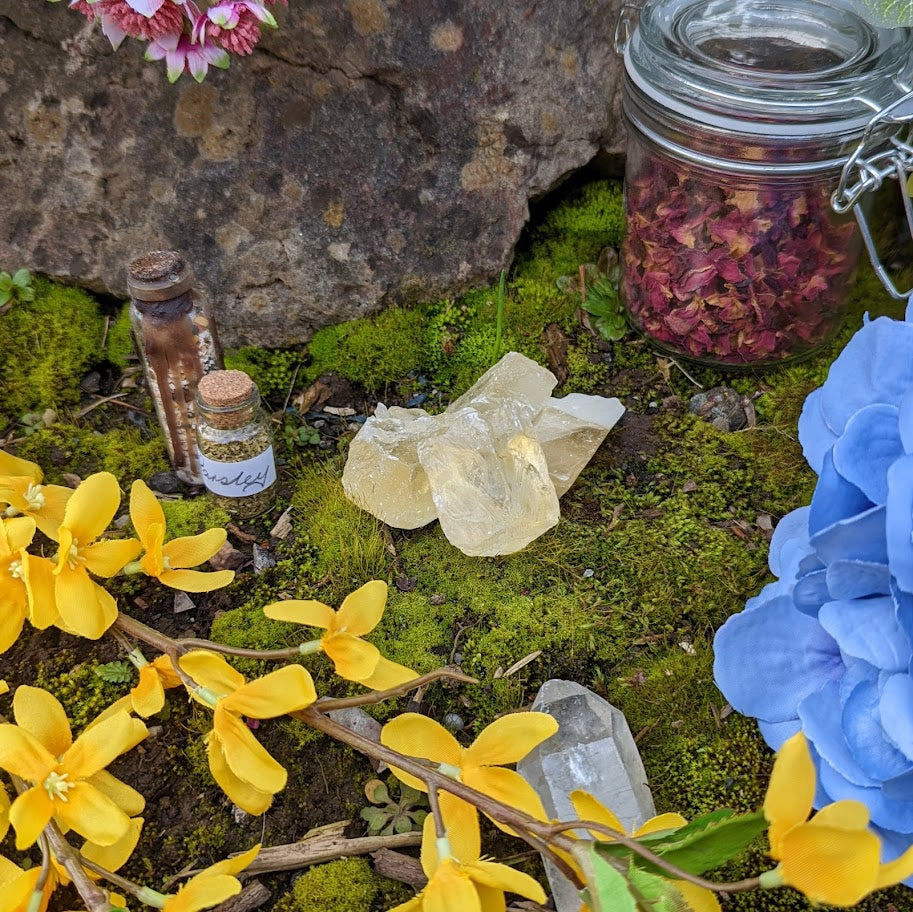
(740, 115)
(177, 341)
(236, 448)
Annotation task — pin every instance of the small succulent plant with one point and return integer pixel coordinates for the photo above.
(388, 815)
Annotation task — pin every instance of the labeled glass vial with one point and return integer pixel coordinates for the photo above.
(177, 341)
(740, 115)
(236, 449)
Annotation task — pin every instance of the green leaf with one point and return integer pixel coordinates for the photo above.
(658, 894)
(22, 278)
(375, 818)
(4, 296)
(606, 888)
(402, 824)
(613, 328)
(6, 281)
(409, 795)
(705, 843)
(112, 672)
(376, 792)
(886, 13)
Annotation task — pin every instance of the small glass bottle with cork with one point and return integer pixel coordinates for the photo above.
(236, 451)
(178, 344)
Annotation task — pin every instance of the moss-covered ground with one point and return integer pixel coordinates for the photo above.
(664, 536)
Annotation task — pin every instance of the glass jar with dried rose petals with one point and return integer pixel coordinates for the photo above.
(741, 114)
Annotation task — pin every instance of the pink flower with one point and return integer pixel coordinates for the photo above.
(234, 24)
(151, 19)
(180, 54)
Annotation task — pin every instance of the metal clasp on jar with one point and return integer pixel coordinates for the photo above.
(867, 168)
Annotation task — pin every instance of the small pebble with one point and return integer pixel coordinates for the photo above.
(91, 383)
(165, 483)
(453, 722)
(263, 559)
(588, 573)
(183, 602)
(721, 406)
(227, 558)
(341, 412)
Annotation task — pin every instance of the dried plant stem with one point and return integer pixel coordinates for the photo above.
(90, 893)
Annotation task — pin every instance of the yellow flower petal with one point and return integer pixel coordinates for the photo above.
(845, 815)
(893, 872)
(29, 815)
(40, 713)
(410, 905)
(100, 744)
(362, 609)
(353, 658)
(508, 787)
(4, 812)
(148, 697)
(92, 814)
(791, 791)
(211, 671)
(418, 736)
(152, 563)
(248, 797)
(461, 820)
(128, 799)
(192, 550)
(510, 738)
(92, 507)
(589, 808)
(18, 886)
(503, 877)
(699, 899)
(50, 516)
(387, 674)
(170, 678)
(85, 607)
(23, 755)
(830, 865)
(196, 580)
(302, 611)
(40, 583)
(14, 607)
(145, 511)
(203, 893)
(245, 755)
(13, 465)
(282, 691)
(18, 533)
(660, 823)
(118, 853)
(107, 557)
(234, 865)
(450, 890)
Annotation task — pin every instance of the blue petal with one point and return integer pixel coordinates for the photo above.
(905, 421)
(856, 673)
(900, 788)
(896, 815)
(789, 543)
(864, 734)
(811, 592)
(903, 609)
(867, 629)
(771, 658)
(860, 538)
(875, 366)
(896, 713)
(814, 434)
(870, 443)
(899, 522)
(834, 499)
(893, 845)
(820, 713)
(777, 733)
(856, 579)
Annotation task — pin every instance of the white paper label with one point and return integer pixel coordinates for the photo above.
(239, 479)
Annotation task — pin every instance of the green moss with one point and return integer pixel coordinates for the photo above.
(82, 693)
(345, 885)
(271, 370)
(46, 346)
(124, 451)
(193, 515)
(374, 351)
(119, 344)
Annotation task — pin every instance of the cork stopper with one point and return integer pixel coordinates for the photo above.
(159, 275)
(225, 389)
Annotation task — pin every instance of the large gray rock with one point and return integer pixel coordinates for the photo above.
(368, 151)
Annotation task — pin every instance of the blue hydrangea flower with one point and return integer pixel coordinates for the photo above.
(828, 647)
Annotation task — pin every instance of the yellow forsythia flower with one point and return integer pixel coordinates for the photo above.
(479, 766)
(24, 494)
(459, 880)
(354, 658)
(240, 765)
(212, 886)
(832, 858)
(698, 899)
(68, 779)
(168, 561)
(85, 607)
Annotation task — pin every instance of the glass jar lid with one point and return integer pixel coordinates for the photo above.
(798, 70)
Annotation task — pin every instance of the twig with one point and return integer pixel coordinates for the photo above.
(325, 704)
(698, 385)
(91, 894)
(291, 386)
(440, 830)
